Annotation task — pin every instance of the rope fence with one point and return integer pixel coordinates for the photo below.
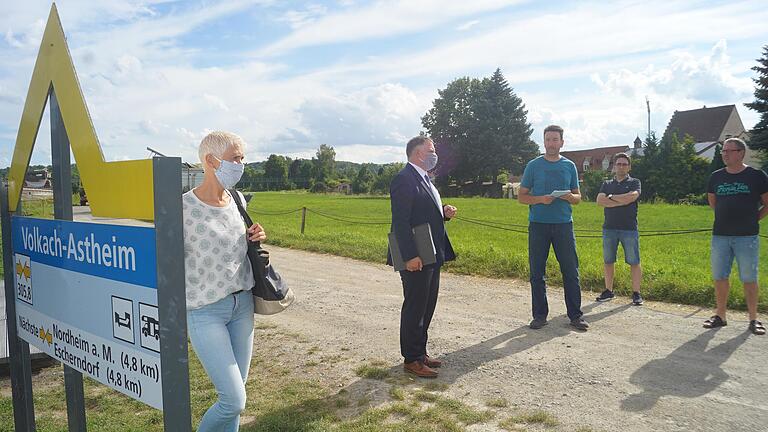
(499, 225)
(42, 202)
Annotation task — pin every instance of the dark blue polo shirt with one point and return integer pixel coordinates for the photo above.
(622, 217)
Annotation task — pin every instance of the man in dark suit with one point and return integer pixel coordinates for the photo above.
(416, 201)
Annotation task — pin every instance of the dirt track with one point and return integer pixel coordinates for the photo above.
(650, 368)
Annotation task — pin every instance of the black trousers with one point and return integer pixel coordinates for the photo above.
(420, 298)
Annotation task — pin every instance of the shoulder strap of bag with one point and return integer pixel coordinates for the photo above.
(241, 208)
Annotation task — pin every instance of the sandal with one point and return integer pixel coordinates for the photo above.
(756, 327)
(715, 321)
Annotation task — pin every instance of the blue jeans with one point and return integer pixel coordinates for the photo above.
(222, 336)
(630, 242)
(561, 238)
(746, 251)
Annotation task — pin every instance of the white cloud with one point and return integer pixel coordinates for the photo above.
(9, 98)
(708, 78)
(381, 19)
(385, 114)
(467, 25)
(216, 102)
(28, 37)
(12, 41)
(301, 18)
(144, 86)
(528, 44)
(616, 113)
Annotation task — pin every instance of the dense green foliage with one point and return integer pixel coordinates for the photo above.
(324, 163)
(590, 186)
(676, 268)
(717, 159)
(758, 139)
(480, 128)
(276, 169)
(671, 171)
(363, 182)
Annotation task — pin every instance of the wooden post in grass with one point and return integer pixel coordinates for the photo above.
(303, 218)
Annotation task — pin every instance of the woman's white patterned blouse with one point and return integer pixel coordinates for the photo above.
(215, 251)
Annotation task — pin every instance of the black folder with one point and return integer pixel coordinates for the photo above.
(425, 246)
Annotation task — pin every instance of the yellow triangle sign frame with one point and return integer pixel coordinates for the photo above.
(122, 189)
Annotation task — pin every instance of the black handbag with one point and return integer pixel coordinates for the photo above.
(271, 294)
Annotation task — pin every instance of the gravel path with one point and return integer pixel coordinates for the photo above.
(649, 368)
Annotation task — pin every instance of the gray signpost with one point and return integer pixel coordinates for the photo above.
(171, 297)
(107, 301)
(62, 210)
(168, 315)
(20, 363)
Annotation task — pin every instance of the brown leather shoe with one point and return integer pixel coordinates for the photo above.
(420, 369)
(432, 362)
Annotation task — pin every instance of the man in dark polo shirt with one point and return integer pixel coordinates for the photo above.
(739, 195)
(619, 197)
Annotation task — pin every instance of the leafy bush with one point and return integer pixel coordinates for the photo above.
(319, 187)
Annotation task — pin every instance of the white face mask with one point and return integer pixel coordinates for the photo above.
(430, 161)
(228, 173)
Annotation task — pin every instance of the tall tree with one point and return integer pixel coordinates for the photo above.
(250, 178)
(363, 181)
(645, 169)
(324, 163)
(593, 180)
(717, 159)
(671, 171)
(482, 125)
(758, 139)
(300, 173)
(385, 176)
(276, 171)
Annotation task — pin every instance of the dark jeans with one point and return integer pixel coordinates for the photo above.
(560, 236)
(420, 290)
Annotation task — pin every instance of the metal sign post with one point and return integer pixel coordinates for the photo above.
(107, 301)
(62, 209)
(20, 363)
(171, 296)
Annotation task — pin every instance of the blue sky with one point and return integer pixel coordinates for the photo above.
(289, 76)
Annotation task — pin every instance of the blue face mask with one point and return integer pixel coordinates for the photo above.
(229, 173)
(430, 161)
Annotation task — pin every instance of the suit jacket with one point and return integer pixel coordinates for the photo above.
(413, 204)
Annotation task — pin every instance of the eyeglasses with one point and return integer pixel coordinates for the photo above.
(621, 164)
(731, 151)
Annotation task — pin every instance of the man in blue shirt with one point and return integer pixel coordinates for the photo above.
(550, 186)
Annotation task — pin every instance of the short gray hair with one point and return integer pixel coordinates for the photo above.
(415, 142)
(217, 142)
(738, 142)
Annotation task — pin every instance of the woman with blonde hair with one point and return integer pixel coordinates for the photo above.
(219, 278)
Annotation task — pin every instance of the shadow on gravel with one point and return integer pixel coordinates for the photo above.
(320, 413)
(689, 371)
(468, 359)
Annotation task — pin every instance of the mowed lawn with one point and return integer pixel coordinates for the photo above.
(675, 267)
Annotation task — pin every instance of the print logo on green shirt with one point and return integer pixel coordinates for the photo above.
(735, 188)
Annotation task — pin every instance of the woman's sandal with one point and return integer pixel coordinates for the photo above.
(756, 327)
(715, 321)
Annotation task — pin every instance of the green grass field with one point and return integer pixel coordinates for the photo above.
(676, 268)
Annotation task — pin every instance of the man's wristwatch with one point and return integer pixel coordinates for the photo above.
(610, 197)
